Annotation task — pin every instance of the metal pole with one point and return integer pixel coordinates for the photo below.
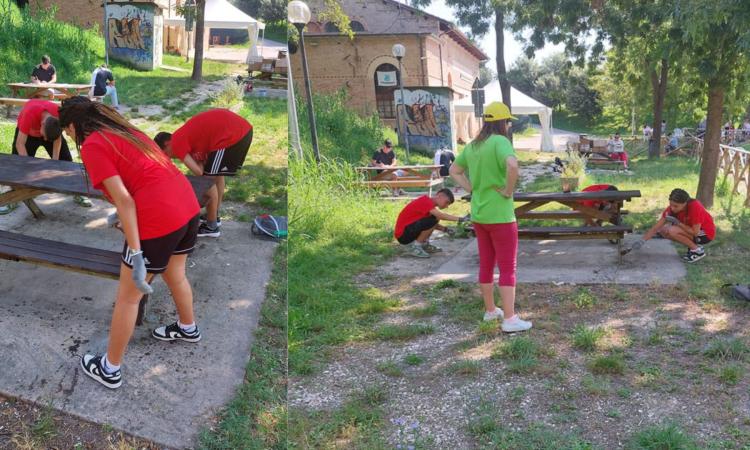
(310, 111)
(398, 114)
(403, 104)
(106, 35)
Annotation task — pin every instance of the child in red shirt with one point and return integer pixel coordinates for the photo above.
(159, 215)
(686, 221)
(600, 205)
(212, 143)
(420, 218)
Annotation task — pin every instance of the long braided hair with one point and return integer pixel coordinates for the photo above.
(88, 117)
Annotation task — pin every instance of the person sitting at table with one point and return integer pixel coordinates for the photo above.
(386, 157)
(601, 205)
(419, 218)
(104, 84)
(39, 126)
(616, 149)
(213, 143)
(158, 212)
(685, 221)
(672, 144)
(44, 72)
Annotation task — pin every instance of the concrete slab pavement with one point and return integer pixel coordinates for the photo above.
(170, 390)
(575, 261)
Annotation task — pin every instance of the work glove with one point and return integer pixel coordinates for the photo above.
(139, 273)
(450, 231)
(672, 219)
(635, 246)
(113, 220)
(466, 218)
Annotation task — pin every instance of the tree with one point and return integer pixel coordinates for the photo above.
(715, 35)
(486, 75)
(266, 10)
(199, 30)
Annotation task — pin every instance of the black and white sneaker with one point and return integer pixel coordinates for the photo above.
(174, 332)
(205, 231)
(204, 219)
(694, 255)
(92, 366)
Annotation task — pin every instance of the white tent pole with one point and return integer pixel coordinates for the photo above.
(292, 112)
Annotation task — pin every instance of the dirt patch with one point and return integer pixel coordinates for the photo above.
(657, 335)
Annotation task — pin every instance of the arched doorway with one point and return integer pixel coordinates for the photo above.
(386, 80)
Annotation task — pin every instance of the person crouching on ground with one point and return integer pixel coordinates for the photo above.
(493, 172)
(686, 221)
(601, 205)
(420, 218)
(158, 211)
(212, 143)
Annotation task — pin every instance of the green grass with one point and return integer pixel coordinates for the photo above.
(612, 364)
(276, 31)
(257, 416)
(584, 298)
(465, 368)
(662, 437)
(520, 353)
(425, 311)
(587, 338)
(727, 348)
(358, 423)
(413, 359)
(390, 368)
(731, 374)
(595, 385)
(402, 332)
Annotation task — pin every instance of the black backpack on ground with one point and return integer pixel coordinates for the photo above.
(738, 291)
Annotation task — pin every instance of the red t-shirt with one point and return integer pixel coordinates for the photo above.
(694, 213)
(419, 208)
(30, 117)
(164, 199)
(208, 132)
(594, 188)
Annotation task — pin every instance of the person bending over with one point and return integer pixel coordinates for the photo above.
(601, 205)
(420, 218)
(686, 221)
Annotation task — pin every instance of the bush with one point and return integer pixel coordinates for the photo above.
(25, 37)
(342, 132)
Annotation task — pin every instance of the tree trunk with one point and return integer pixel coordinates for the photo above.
(500, 59)
(199, 30)
(711, 153)
(659, 86)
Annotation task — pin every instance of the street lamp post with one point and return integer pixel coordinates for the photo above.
(399, 51)
(299, 15)
(188, 12)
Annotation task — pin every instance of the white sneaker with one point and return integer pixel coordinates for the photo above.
(515, 324)
(496, 314)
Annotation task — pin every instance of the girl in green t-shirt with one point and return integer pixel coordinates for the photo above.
(493, 168)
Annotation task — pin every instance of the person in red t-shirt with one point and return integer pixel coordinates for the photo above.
(212, 143)
(686, 221)
(158, 213)
(420, 218)
(600, 205)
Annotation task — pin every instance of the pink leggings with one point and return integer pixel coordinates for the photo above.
(498, 243)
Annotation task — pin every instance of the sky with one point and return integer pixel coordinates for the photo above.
(513, 48)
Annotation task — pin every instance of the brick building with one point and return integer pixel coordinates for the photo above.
(437, 54)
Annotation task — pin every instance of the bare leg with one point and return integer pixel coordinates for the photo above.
(179, 286)
(425, 235)
(220, 185)
(508, 296)
(676, 234)
(212, 206)
(488, 296)
(124, 315)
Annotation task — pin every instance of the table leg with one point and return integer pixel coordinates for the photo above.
(26, 196)
(34, 208)
(141, 310)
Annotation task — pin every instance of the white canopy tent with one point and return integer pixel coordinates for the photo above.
(520, 104)
(222, 14)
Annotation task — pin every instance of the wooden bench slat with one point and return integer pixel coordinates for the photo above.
(404, 183)
(576, 230)
(78, 258)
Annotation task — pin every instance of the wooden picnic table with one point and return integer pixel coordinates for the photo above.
(412, 176)
(30, 177)
(33, 90)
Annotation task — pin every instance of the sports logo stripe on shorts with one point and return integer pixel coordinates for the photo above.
(217, 161)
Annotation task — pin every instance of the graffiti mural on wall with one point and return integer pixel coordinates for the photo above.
(427, 117)
(131, 33)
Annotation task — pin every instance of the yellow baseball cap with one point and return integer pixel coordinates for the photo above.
(497, 111)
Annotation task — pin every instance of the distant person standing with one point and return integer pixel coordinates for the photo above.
(104, 84)
(44, 72)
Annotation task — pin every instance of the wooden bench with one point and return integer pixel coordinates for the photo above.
(10, 102)
(76, 258)
(607, 162)
(406, 182)
(612, 232)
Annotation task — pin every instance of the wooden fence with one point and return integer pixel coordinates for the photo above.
(734, 166)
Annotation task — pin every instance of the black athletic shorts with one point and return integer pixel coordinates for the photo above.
(157, 251)
(227, 161)
(414, 229)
